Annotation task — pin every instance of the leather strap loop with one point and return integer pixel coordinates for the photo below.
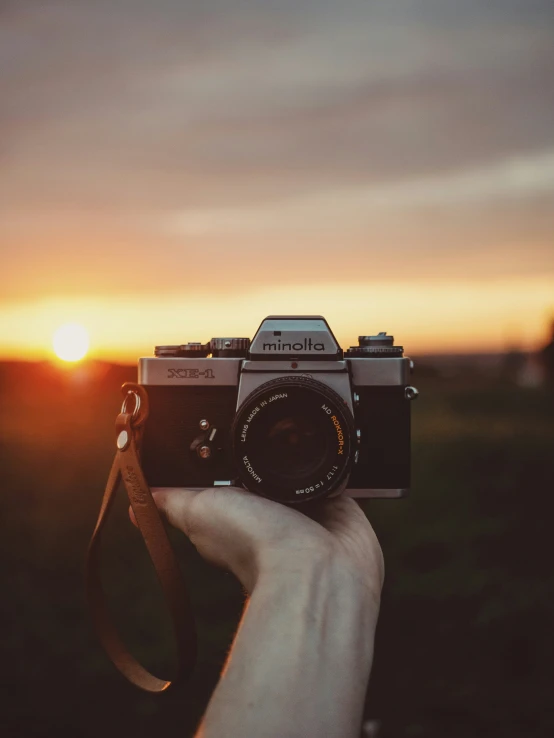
(127, 466)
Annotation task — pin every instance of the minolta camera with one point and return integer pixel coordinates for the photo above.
(288, 415)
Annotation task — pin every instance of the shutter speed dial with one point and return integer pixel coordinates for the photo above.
(375, 347)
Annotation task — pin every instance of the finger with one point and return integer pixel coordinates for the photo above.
(347, 522)
(173, 503)
(339, 513)
(215, 524)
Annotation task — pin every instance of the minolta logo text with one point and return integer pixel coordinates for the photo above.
(306, 345)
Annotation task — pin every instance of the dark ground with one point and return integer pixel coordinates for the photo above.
(464, 645)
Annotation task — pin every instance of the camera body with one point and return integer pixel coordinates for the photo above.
(288, 415)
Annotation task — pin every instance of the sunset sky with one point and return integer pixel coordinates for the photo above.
(174, 170)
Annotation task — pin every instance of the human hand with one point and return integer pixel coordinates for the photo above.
(253, 537)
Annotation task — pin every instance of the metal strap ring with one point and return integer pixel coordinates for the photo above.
(136, 408)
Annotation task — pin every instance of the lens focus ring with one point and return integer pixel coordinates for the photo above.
(293, 440)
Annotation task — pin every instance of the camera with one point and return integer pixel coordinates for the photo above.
(288, 415)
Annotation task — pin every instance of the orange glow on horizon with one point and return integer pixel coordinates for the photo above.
(431, 317)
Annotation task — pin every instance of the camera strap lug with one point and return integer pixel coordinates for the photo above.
(127, 467)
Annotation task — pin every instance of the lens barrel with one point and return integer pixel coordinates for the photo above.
(293, 440)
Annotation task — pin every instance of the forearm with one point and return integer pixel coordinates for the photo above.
(301, 659)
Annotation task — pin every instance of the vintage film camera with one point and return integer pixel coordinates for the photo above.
(288, 415)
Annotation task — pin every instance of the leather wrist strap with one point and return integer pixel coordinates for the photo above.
(126, 467)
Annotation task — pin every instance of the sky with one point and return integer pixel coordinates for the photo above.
(177, 170)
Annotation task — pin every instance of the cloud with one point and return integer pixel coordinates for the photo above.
(506, 180)
(286, 95)
(408, 137)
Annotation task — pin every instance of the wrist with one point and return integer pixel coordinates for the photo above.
(314, 620)
(312, 614)
(325, 572)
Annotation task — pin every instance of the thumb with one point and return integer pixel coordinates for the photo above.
(175, 506)
(213, 525)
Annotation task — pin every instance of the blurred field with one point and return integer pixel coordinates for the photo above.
(464, 646)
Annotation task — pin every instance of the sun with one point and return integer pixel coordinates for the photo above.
(71, 342)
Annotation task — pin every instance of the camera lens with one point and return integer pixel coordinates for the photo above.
(291, 445)
(292, 440)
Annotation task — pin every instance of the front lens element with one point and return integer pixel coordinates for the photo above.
(292, 440)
